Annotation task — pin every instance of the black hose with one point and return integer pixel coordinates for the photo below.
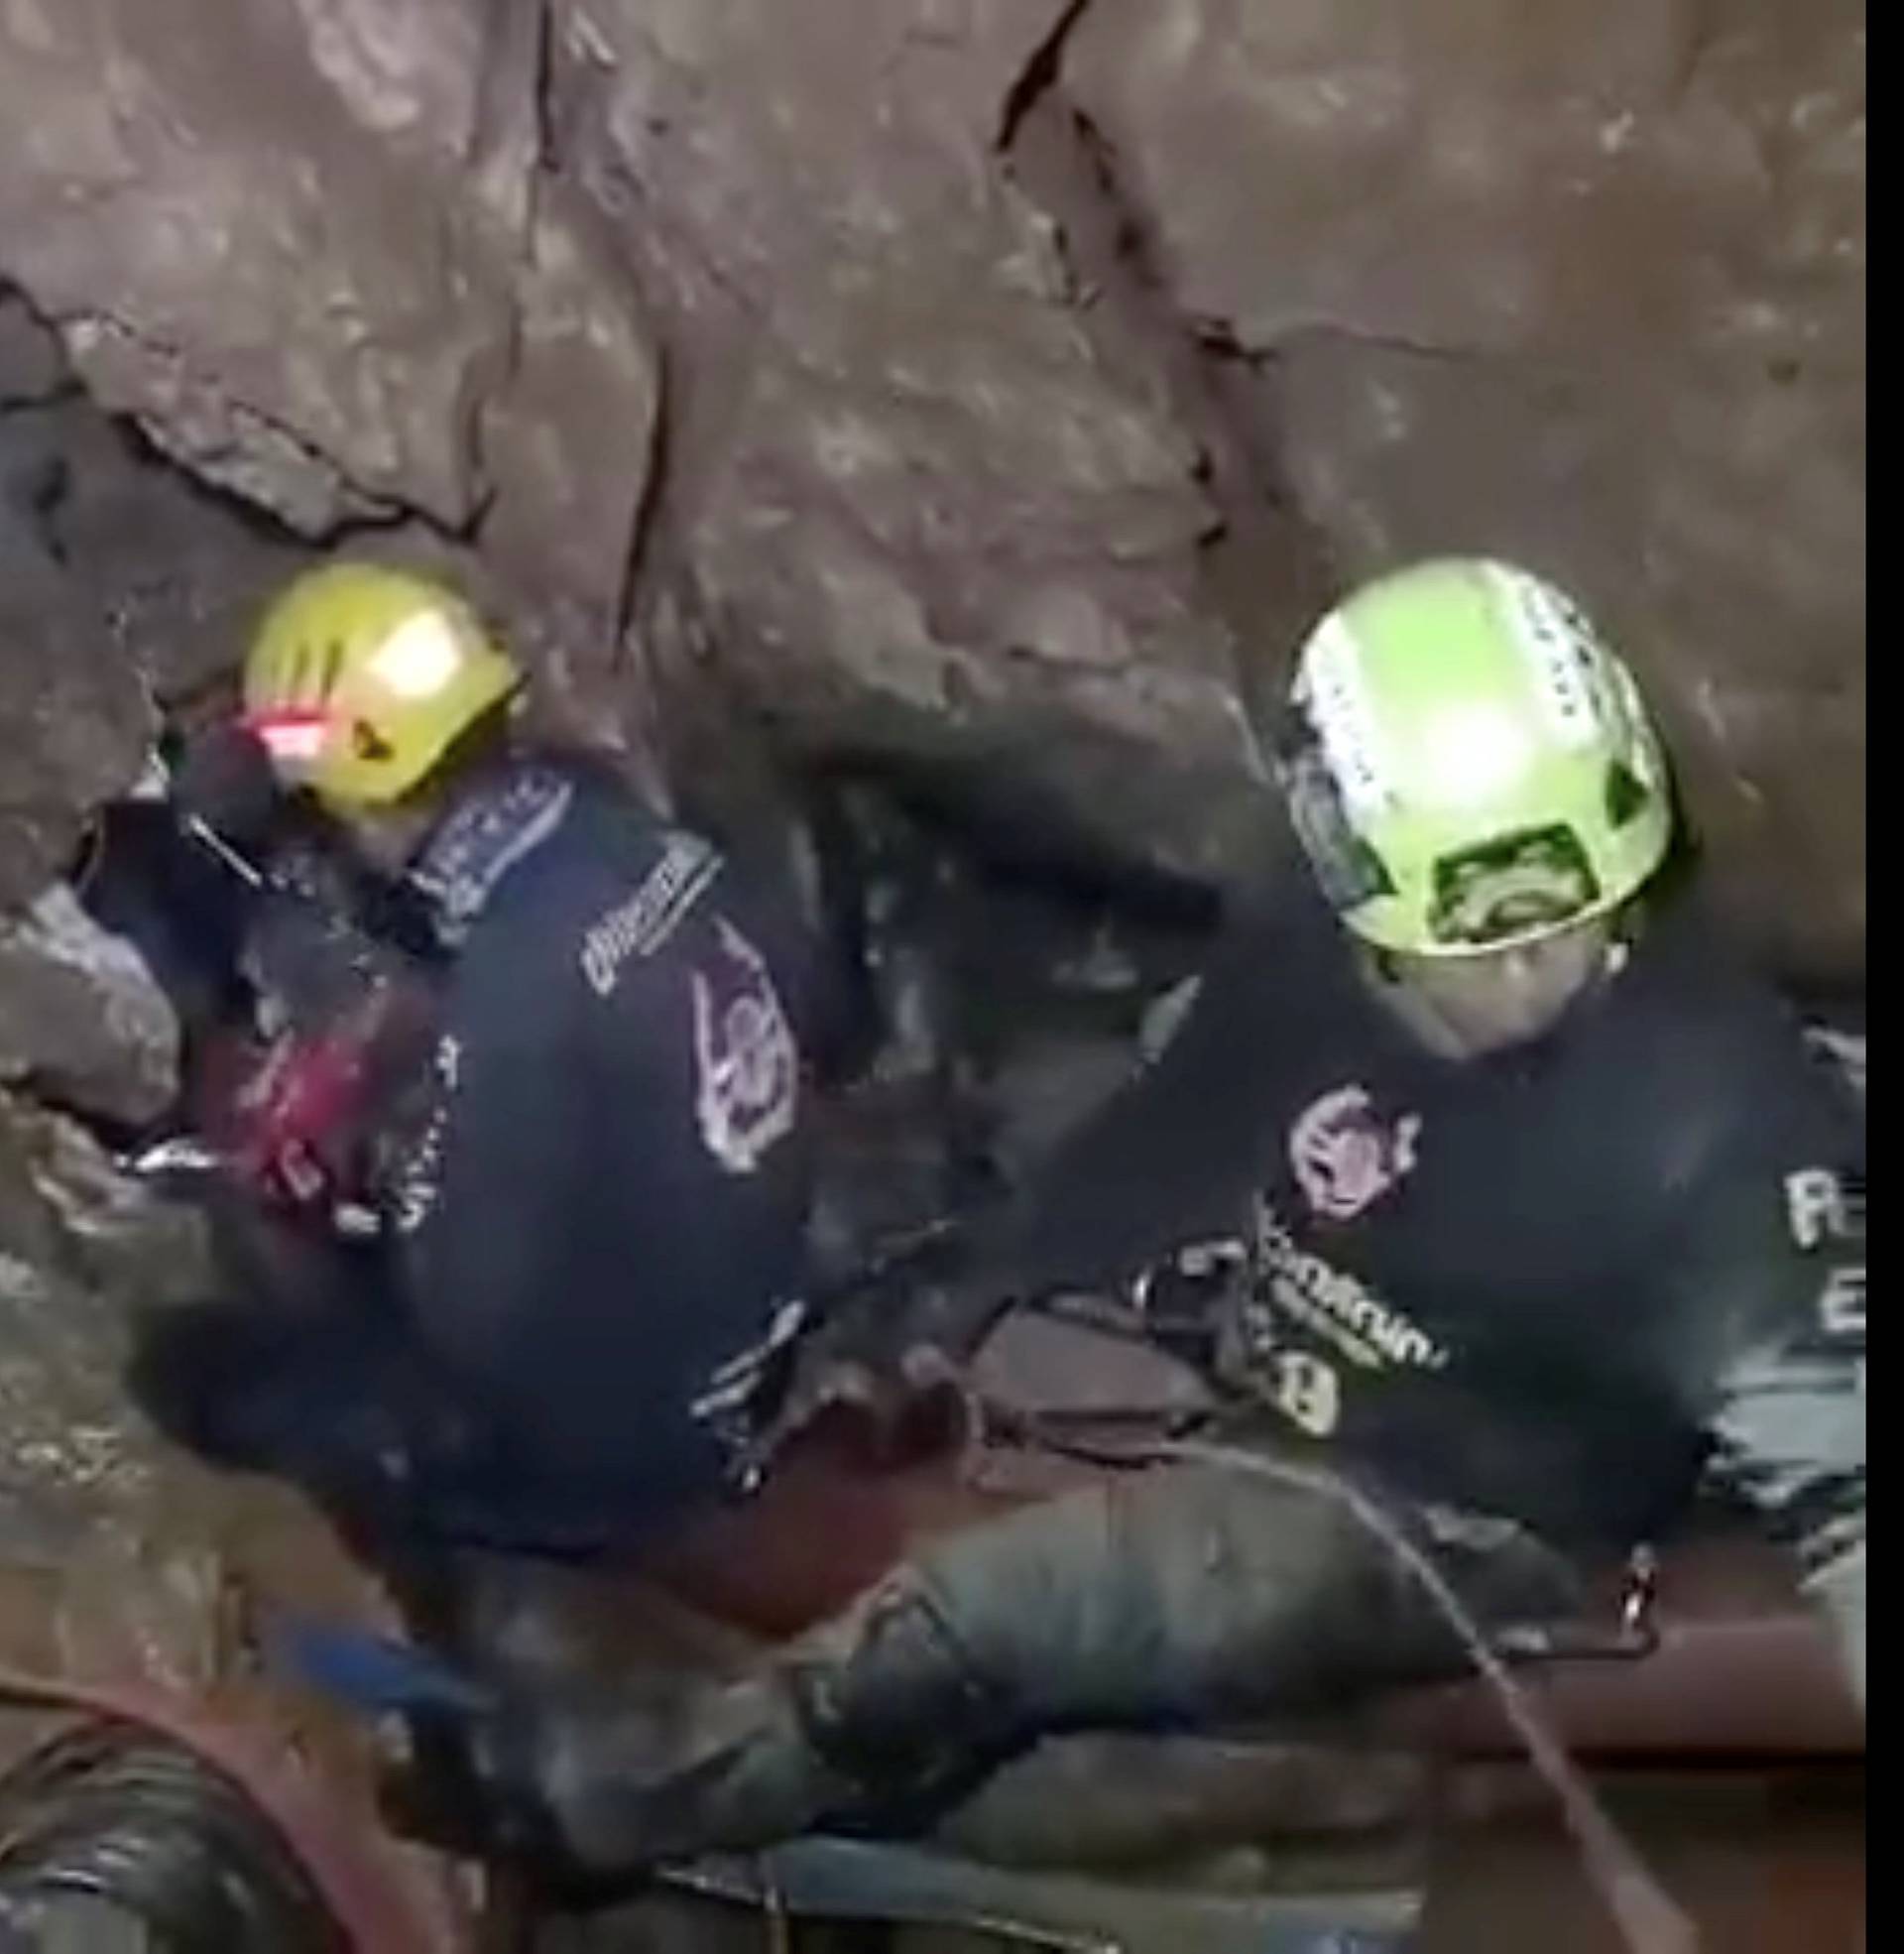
(126, 1819)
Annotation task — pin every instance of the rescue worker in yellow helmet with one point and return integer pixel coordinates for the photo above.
(595, 1210)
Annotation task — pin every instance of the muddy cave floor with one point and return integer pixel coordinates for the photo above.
(1762, 1867)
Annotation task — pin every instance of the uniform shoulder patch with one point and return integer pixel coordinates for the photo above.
(745, 1061)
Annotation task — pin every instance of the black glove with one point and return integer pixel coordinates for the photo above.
(214, 1380)
(224, 779)
(318, 1396)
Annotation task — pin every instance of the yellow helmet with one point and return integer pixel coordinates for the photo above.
(361, 678)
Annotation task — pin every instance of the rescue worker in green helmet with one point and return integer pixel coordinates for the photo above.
(1472, 1175)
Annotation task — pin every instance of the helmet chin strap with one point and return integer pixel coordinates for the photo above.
(1413, 1011)
(1444, 1033)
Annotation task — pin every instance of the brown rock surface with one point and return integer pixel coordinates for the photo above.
(1583, 287)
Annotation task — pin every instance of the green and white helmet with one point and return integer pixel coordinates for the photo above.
(1467, 765)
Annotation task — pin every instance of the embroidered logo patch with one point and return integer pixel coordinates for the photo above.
(747, 1066)
(639, 926)
(1346, 1157)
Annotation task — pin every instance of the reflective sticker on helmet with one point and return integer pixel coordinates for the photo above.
(1627, 796)
(1640, 750)
(1564, 654)
(420, 657)
(1330, 690)
(1511, 887)
(1349, 871)
(294, 737)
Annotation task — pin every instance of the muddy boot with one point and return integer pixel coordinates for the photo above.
(855, 1722)
(1176, 1597)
